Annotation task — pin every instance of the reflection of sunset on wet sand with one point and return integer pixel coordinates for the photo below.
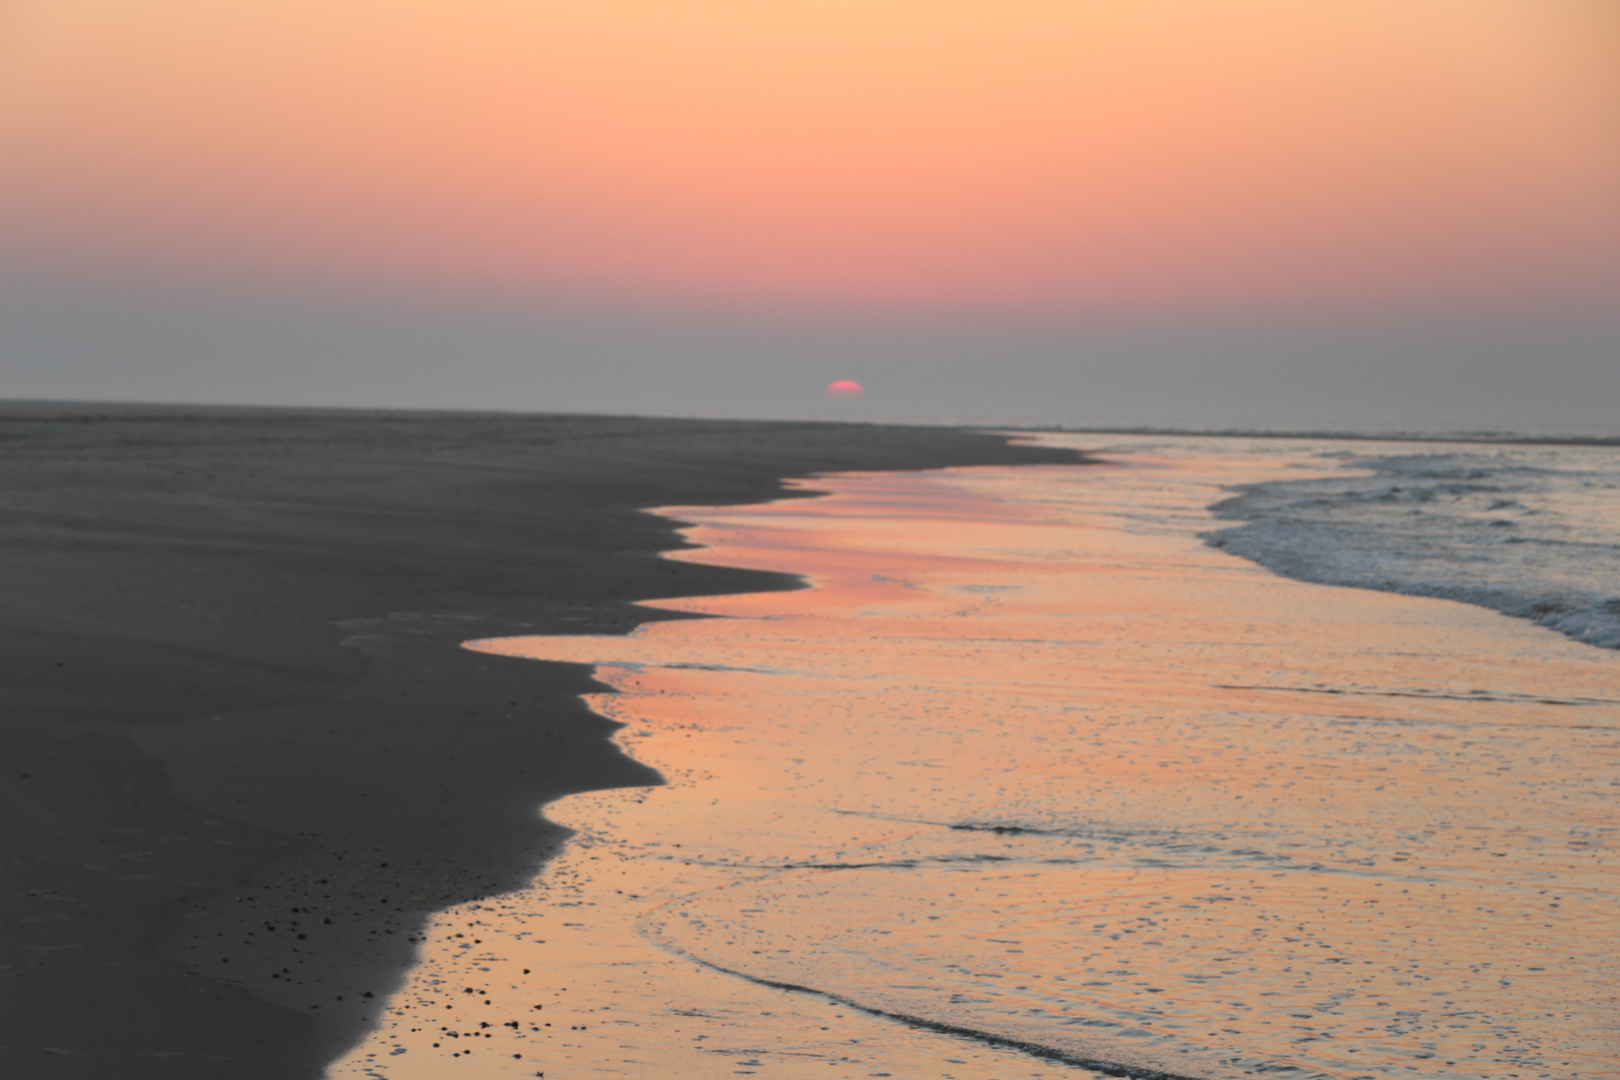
(1034, 770)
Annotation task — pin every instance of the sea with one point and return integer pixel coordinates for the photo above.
(1218, 757)
(1532, 531)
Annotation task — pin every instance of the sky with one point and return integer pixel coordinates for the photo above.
(1363, 213)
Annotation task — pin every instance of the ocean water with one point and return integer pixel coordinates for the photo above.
(1031, 781)
(1530, 531)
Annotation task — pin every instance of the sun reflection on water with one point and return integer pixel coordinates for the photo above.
(1029, 783)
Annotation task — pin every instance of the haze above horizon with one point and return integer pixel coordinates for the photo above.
(1362, 213)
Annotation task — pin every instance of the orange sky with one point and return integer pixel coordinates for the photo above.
(1049, 154)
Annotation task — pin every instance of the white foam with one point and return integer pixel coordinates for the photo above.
(1530, 531)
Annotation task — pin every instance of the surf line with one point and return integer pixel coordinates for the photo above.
(1035, 1050)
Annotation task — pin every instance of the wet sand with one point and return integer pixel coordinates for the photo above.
(243, 751)
(1032, 783)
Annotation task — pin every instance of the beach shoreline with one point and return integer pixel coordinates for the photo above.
(1033, 763)
(238, 711)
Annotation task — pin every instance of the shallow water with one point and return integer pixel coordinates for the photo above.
(1033, 783)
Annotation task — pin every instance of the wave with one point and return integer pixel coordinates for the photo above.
(1529, 531)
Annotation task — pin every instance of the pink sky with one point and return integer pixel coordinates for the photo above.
(1137, 155)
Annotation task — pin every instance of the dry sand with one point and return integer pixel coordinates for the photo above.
(235, 705)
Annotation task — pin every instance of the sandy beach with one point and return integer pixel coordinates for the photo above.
(236, 706)
(1169, 629)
